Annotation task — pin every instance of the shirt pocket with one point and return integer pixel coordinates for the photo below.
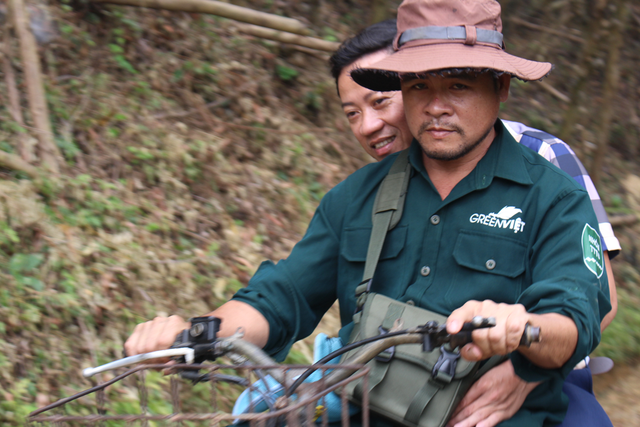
(489, 267)
(389, 274)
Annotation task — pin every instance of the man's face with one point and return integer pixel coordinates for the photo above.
(376, 118)
(452, 116)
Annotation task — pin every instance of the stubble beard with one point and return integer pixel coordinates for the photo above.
(460, 151)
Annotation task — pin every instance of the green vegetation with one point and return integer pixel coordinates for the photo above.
(286, 73)
(621, 340)
(165, 205)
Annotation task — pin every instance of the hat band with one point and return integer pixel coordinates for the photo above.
(452, 33)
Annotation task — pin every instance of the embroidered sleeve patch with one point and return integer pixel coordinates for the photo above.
(592, 250)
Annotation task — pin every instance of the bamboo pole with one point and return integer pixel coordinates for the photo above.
(217, 8)
(279, 36)
(553, 91)
(47, 149)
(13, 162)
(561, 33)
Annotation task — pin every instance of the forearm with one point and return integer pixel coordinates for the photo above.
(160, 333)
(558, 333)
(559, 337)
(236, 315)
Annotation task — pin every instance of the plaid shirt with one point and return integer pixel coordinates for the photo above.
(559, 153)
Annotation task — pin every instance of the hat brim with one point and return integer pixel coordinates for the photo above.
(384, 75)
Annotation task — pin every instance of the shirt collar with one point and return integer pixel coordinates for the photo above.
(503, 160)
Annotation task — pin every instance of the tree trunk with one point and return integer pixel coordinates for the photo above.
(12, 92)
(609, 89)
(47, 149)
(583, 71)
(280, 36)
(217, 8)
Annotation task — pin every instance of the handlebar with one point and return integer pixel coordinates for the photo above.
(189, 349)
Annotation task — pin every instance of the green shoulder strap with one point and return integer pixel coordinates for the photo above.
(387, 211)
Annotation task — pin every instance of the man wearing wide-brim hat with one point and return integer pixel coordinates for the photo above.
(453, 71)
(489, 228)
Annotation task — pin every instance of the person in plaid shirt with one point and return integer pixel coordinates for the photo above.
(560, 154)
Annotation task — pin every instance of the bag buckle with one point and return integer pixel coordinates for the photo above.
(362, 292)
(445, 368)
(386, 355)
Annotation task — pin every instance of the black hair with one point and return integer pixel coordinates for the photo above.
(372, 39)
(452, 72)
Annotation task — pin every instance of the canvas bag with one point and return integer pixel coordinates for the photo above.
(405, 385)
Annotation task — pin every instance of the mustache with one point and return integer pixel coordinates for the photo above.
(444, 126)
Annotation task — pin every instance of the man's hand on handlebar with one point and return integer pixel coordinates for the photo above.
(502, 339)
(157, 334)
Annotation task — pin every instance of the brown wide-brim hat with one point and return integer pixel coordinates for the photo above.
(443, 34)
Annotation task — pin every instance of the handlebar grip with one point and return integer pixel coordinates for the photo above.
(479, 322)
(464, 336)
(530, 335)
(460, 339)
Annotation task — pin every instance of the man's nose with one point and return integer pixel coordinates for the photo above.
(371, 123)
(437, 106)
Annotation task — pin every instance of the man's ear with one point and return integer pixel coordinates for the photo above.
(504, 83)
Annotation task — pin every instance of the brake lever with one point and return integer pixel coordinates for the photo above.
(187, 353)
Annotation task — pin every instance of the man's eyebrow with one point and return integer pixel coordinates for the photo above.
(367, 97)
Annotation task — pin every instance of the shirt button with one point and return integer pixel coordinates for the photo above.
(490, 264)
(435, 220)
(425, 270)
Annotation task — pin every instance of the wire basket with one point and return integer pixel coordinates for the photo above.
(143, 396)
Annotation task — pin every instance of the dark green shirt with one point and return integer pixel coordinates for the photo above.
(515, 230)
